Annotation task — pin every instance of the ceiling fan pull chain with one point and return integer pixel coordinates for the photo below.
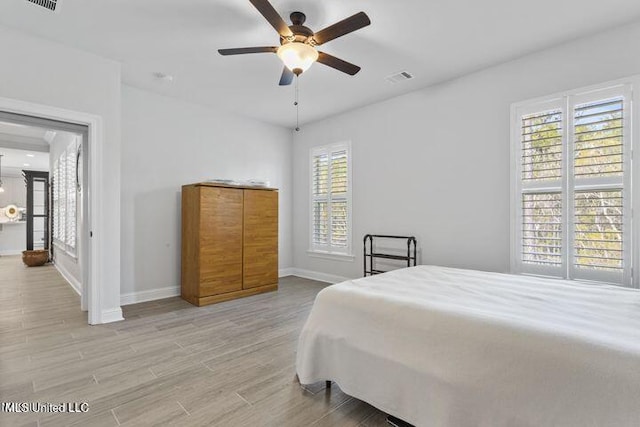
(296, 103)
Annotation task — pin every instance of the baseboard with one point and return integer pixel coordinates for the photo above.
(75, 284)
(173, 291)
(150, 295)
(316, 275)
(284, 272)
(112, 315)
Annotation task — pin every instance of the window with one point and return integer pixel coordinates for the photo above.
(572, 198)
(64, 199)
(331, 199)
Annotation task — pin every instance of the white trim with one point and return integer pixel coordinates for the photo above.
(73, 282)
(333, 256)
(173, 291)
(111, 315)
(93, 282)
(634, 79)
(149, 295)
(284, 272)
(316, 275)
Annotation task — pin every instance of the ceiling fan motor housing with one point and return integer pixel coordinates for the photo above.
(297, 18)
(301, 34)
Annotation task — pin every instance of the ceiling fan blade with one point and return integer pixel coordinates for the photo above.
(243, 50)
(341, 28)
(287, 77)
(274, 18)
(337, 63)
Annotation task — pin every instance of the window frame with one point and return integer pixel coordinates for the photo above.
(328, 251)
(566, 102)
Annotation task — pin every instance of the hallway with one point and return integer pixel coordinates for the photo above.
(34, 302)
(39, 317)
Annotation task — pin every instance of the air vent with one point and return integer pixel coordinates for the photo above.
(47, 4)
(399, 77)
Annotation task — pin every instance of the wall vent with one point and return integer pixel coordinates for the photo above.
(399, 77)
(47, 4)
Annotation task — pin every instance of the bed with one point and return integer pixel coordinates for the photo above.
(439, 346)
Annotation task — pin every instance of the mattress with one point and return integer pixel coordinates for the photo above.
(441, 346)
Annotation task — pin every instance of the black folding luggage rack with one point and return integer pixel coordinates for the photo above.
(370, 255)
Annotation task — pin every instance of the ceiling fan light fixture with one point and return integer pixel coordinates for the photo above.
(297, 57)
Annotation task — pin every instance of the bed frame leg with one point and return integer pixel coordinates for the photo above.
(328, 384)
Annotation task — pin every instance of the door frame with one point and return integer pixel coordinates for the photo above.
(93, 245)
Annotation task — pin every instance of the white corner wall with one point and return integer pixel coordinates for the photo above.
(435, 163)
(167, 143)
(39, 71)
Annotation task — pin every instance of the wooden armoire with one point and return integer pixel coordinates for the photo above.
(229, 242)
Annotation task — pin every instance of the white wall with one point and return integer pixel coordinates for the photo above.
(435, 163)
(15, 191)
(42, 72)
(167, 143)
(13, 236)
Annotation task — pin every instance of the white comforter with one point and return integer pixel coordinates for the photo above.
(448, 347)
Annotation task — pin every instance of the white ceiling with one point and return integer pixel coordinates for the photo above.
(22, 137)
(434, 40)
(24, 147)
(17, 160)
(15, 129)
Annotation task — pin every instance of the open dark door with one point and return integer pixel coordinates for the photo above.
(38, 230)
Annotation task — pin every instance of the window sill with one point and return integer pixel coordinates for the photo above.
(577, 280)
(331, 256)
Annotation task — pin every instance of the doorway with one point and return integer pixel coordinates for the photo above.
(58, 217)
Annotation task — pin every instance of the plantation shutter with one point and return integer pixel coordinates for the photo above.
(541, 134)
(71, 197)
(65, 199)
(542, 228)
(320, 223)
(56, 201)
(572, 186)
(331, 194)
(339, 193)
(542, 146)
(62, 198)
(600, 234)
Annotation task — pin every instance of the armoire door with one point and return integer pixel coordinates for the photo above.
(260, 238)
(220, 240)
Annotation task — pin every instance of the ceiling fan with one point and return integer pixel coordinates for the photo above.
(298, 43)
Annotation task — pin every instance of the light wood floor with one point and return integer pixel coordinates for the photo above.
(169, 363)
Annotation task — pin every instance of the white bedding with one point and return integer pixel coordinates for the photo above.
(448, 347)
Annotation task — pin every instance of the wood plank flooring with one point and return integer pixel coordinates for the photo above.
(168, 363)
